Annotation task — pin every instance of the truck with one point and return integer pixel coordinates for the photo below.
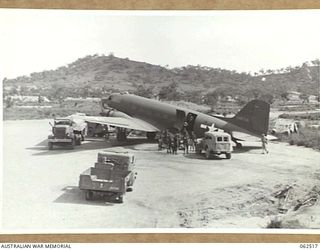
(214, 143)
(65, 132)
(112, 176)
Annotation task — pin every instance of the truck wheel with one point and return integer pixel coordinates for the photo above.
(208, 154)
(50, 145)
(120, 199)
(228, 155)
(90, 132)
(89, 195)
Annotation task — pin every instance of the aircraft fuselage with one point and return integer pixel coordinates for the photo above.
(166, 116)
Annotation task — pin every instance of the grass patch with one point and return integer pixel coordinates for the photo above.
(308, 137)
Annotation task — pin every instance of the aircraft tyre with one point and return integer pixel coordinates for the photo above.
(129, 189)
(50, 145)
(121, 136)
(228, 155)
(198, 149)
(239, 145)
(151, 135)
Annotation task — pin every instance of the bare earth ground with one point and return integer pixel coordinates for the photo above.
(40, 187)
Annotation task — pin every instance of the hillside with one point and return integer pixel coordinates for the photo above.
(97, 76)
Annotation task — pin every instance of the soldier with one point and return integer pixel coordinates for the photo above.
(160, 142)
(175, 143)
(185, 145)
(264, 142)
(169, 146)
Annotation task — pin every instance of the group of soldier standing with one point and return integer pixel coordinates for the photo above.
(173, 142)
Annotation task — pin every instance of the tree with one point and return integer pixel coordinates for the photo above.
(316, 62)
(253, 93)
(142, 91)
(211, 98)
(40, 99)
(9, 102)
(304, 97)
(284, 96)
(170, 92)
(269, 98)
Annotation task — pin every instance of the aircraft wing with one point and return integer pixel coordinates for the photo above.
(121, 122)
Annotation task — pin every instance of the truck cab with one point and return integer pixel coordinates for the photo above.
(215, 143)
(63, 134)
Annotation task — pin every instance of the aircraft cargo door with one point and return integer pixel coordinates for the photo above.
(181, 115)
(189, 122)
(180, 119)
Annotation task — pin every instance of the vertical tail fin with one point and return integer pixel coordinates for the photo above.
(254, 117)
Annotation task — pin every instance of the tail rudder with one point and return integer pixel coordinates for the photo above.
(254, 117)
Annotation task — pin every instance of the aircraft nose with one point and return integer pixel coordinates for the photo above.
(106, 101)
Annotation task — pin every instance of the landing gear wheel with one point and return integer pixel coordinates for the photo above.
(198, 150)
(121, 134)
(151, 136)
(89, 195)
(50, 145)
(129, 189)
(238, 145)
(228, 155)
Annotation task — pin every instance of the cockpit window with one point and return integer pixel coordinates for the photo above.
(105, 105)
(225, 138)
(219, 138)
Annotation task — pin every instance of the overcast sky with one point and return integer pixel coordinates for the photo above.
(37, 40)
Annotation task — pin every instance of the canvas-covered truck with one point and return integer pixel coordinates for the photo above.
(112, 176)
(215, 143)
(65, 133)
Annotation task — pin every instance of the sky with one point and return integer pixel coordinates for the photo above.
(37, 40)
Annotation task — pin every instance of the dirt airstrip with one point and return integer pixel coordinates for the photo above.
(40, 187)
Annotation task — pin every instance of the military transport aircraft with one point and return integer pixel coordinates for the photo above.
(129, 112)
